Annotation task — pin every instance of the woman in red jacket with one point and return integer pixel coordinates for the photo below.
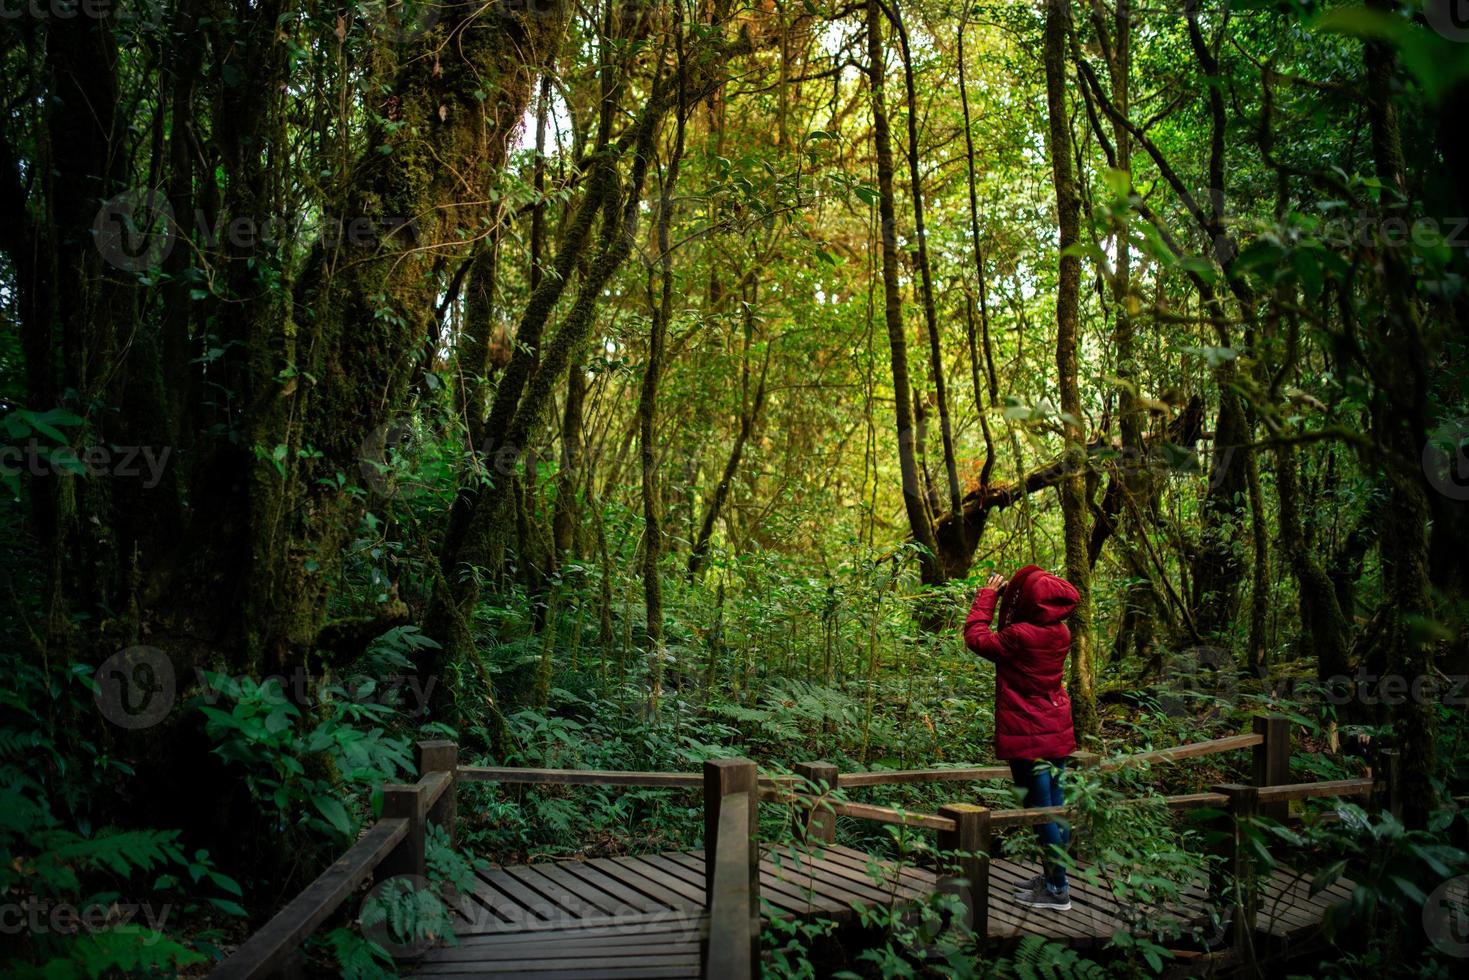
(1033, 728)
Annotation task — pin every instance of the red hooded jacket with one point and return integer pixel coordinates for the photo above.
(1032, 709)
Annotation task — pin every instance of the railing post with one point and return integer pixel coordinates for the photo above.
(818, 823)
(407, 802)
(721, 778)
(1272, 760)
(1388, 771)
(440, 755)
(1244, 804)
(971, 834)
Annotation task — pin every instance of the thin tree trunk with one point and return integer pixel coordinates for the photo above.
(1068, 296)
(984, 312)
(750, 409)
(661, 312)
(918, 520)
(925, 272)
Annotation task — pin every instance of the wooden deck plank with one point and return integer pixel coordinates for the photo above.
(826, 863)
(787, 897)
(479, 907)
(571, 904)
(613, 944)
(643, 916)
(651, 882)
(618, 932)
(1287, 909)
(646, 945)
(582, 891)
(553, 958)
(811, 872)
(918, 878)
(600, 880)
(530, 904)
(588, 971)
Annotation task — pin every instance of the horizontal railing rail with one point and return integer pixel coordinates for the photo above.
(1302, 791)
(599, 777)
(268, 949)
(964, 774)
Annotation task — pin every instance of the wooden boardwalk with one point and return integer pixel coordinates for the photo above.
(645, 916)
(679, 914)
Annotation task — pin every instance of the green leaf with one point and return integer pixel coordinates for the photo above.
(335, 813)
(228, 907)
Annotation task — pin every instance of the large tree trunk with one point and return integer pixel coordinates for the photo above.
(1399, 407)
(1068, 297)
(232, 561)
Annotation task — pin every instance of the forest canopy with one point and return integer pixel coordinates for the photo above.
(621, 384)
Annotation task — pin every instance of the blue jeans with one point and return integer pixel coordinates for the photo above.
(1042, 788)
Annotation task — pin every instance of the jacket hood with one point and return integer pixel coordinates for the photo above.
(1036, 596)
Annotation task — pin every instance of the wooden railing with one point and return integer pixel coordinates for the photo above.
(732, 789)
(731, 869)
(965, 831)
(390, 847)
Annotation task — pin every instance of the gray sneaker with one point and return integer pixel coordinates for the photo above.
(1041, 897)
(1030, 885)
